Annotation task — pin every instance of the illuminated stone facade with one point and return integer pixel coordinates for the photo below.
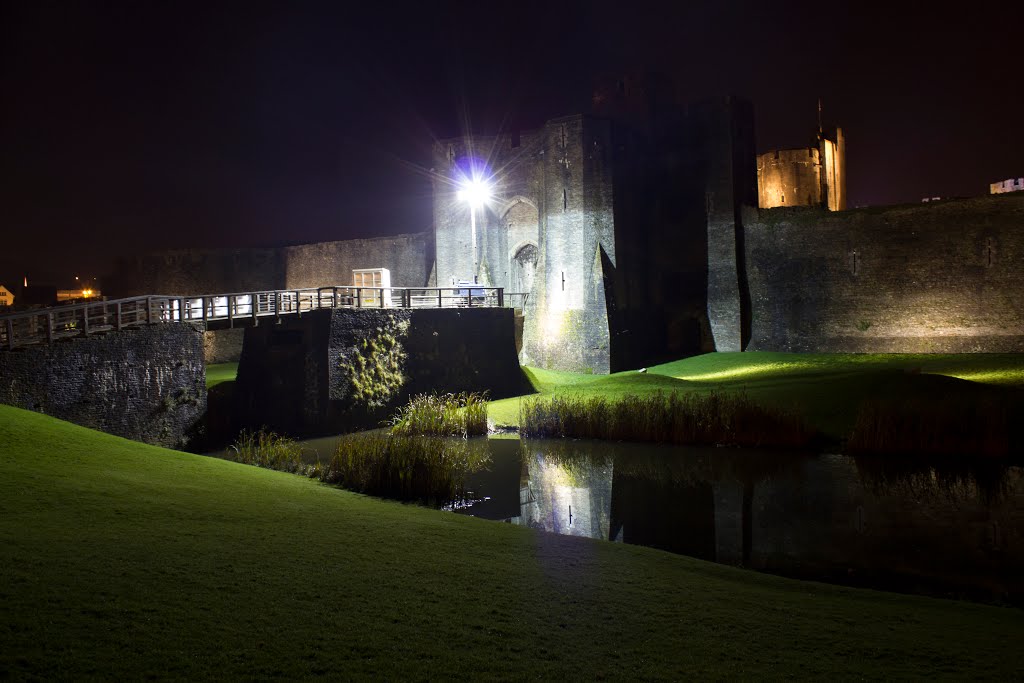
(604, 225)
(548, 227)
(809, 176)
(937, 277)
(635, 237)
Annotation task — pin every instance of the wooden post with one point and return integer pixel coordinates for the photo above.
(359, 297)
(117, 316)
(231, 310)
(254, 305)
(205, 312)
(85, 321)
(149, 310)
(277, 307)
(439, 302)
(501, 297)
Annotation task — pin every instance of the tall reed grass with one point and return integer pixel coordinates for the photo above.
(428, 469)
(952, 479)
(944, 425)
(709, 419)
(462, 415)
(267, 449)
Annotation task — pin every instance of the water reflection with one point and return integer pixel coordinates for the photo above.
(937, 528)
(951, 528)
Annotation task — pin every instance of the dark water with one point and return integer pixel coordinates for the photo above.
(940, 528)
(945, 528)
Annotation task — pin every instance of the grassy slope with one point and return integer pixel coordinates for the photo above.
(826, 388)
(120, 560)
(217, 373)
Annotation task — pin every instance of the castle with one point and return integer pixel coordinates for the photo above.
(641, 233)
(809, 176)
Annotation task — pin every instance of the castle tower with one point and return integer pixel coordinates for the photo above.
(542, 235)
(722, 134)
(566, 325)
(807, 176)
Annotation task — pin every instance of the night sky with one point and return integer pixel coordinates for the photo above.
(138, 126)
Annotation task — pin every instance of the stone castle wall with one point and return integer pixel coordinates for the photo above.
(553, 192)
(330, 371)
(146, 384)
(936, 277)
(789, 177)
(408, 257)
(730, 179)
(217, 271)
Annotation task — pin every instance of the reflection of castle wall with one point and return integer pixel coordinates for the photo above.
(808, 522)
(728, 522)
(826, 522)
(679, 518)
(828, 517)
(568, 497)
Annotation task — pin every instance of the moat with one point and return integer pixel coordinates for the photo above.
(946, 528)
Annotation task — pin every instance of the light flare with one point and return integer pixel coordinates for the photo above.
(476, 191)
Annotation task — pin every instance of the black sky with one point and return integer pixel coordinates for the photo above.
(134, 126)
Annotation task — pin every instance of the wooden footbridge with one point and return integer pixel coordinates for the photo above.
(221, 311)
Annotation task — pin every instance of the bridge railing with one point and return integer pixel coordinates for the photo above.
(51, 324)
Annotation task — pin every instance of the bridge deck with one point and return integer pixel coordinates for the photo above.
(219, 311)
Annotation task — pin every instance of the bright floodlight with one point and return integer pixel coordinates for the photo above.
(475, 191)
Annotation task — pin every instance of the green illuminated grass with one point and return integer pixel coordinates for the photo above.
(220, 372)
(826, 389)
(125, 561)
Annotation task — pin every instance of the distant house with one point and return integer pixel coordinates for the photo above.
(1008, 185)
(6, 298)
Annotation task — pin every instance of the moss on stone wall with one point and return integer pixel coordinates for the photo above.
(374, 368)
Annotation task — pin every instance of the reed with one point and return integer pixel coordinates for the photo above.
(267, 449)
(943, 425)
(463, 414)
(427, 469)
(708, 419)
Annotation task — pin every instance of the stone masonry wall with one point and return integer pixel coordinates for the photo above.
(335, 370)
(553, 189)
(146, 384)
(731, 184)
(198, 271)
(223, 346)
(408, 257)
(217, 271)
(789, 177)
(566, 326)
(936, 277)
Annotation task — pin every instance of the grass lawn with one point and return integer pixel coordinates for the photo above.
(826, 389)
(122, 561)
(220, 372)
